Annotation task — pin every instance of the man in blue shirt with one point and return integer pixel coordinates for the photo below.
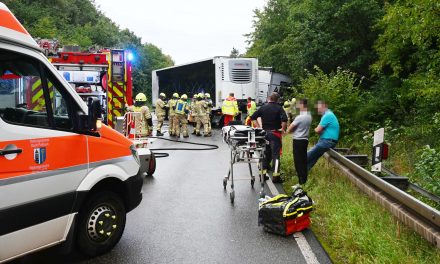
(328, 129)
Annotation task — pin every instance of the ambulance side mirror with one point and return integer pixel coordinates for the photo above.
(94, 115)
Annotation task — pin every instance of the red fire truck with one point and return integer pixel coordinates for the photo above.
(105, 75)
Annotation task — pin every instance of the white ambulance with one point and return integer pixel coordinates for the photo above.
(62, 176)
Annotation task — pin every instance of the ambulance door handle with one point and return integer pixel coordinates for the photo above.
(4, 152)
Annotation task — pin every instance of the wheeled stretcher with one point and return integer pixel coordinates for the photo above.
(247, 145)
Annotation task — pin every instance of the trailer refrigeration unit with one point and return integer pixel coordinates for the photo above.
(217, 76)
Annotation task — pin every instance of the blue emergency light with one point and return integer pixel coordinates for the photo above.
(130, 56)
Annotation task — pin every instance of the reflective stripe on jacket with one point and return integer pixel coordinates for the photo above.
(230, 106)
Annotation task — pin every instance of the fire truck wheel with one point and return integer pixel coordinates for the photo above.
(101, 223)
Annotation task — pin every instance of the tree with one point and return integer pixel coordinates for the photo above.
(235, 53)
(295, 35)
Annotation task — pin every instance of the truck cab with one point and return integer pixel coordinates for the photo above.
(63, 175)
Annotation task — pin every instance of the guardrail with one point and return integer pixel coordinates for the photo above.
(421, 217)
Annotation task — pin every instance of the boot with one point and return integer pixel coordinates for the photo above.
(198, 134)
(159, 134)
(277, 179)
(186, 136)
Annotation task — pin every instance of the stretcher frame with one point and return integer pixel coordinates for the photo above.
(250, 152)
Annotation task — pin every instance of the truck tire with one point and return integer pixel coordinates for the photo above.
(101, 223)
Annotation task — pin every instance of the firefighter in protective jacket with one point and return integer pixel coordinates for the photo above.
(160, 113)
(181, 110)
(143, 121)
(171, 104)
(200, 112)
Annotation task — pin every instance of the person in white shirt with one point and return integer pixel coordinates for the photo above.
(301, 128)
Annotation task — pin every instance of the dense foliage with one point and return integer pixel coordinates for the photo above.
(377, 63)
(79, 22)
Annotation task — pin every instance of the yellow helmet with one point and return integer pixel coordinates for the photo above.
(175, 95)
(162, 95)
(200, 95)
(207, 95)
(140, 97)
(184, 97)
(286, 104)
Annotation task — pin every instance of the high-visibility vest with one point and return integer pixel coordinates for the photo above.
(180, 107)
(251, 108)
(230, 107)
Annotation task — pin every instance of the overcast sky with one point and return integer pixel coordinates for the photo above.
(186, 30)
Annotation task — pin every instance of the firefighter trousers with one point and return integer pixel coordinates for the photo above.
(160, 119)
(180, 125)
(201, 120)
(171, 124)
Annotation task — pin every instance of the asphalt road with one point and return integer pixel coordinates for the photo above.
(187, 217)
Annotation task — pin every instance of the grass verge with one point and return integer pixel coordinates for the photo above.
(351, 227)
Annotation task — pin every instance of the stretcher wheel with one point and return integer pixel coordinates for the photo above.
(252, 183)
(232, 196)
(225, 182)
(262, 194)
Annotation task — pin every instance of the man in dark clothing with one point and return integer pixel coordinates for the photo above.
(274, 121)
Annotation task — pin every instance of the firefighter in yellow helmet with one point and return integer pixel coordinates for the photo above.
(143, 120)
(209, 111)
(161, 108)
(200, 112)
(181, 110)
(171, 104)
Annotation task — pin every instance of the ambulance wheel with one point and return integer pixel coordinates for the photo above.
(225, 183)
(101, 223)
(232, 196)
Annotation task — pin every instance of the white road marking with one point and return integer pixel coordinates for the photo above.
(272, 187)
(300, 239)
(305, 248)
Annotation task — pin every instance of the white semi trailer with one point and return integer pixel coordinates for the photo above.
(217, 76)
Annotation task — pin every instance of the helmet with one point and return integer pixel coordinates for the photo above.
(207, 95)
(184, 97)
(140, 97)
(175, 95)
(162, 95)
(286, 103)
(200, 95)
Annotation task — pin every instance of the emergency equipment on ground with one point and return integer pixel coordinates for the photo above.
(284, 214)
(247, 145)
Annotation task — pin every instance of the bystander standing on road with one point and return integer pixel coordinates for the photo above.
(274, 122)
(328, 129)
(301, 128)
